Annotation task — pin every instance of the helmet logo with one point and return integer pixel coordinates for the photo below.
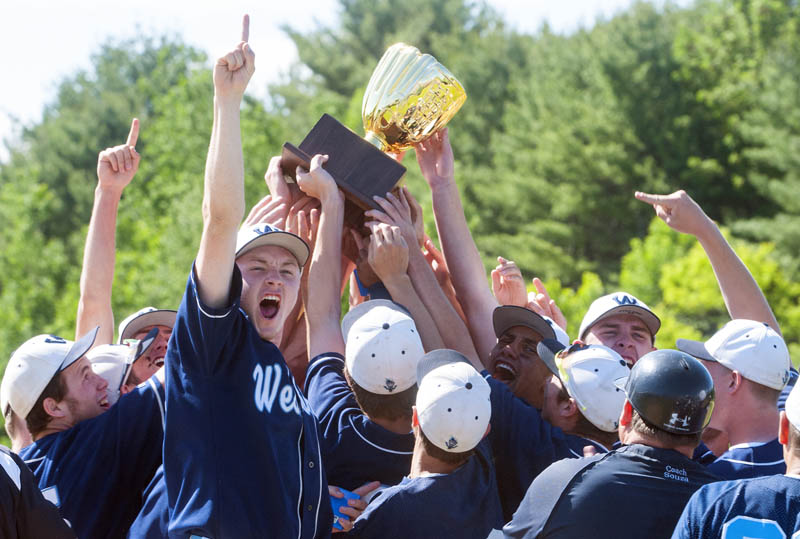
(389, 385)
(674, 420)
(622, 299)
(451, 443)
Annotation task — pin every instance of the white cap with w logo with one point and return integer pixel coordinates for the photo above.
(618, 303)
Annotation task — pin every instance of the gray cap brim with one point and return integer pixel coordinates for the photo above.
(694, 348)
(508, 316)
(79, 348)
(547, 350)
(158, 317)
(438, 358)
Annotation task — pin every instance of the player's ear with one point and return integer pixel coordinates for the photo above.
(735, 381)
(783, 429)
(627, 414)
(53, 407)
(414, 418)
(569, 407)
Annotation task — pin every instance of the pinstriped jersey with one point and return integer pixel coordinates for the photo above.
(744, 461)
(760, 508)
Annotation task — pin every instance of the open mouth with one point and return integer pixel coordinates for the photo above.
(505, 372)
(104, 404)
(158, 362)
(269, 306)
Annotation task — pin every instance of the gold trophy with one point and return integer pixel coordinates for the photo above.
(409, 97)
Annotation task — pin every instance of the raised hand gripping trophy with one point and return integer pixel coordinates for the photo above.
(409, 97)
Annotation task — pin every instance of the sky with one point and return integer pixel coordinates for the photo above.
(48, 40)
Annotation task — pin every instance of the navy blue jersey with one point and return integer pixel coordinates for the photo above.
(153, 519)
(524, 444)
(635, 491)
(793, 375)
(357, 450)
(745, 461)
(703, 455)
(760, 508)
(24, 512)
(242, 456)
(463, 503)
(96, 471)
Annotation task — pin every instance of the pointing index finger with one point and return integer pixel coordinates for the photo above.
(133, 135)
(246, 28)
(650, 199)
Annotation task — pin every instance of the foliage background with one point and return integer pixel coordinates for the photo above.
(556, 135)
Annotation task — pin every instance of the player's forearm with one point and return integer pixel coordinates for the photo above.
(323, 304)
(463, 259)
(97, 273)
(223, 195)
(451, 327)
(223, 205)
(402, 292)
(743, 297)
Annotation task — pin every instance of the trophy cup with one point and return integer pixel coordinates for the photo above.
(409, 97)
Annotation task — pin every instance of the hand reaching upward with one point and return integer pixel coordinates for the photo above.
(232, 72)
(435, 158)
(117, 166)
(679, 211)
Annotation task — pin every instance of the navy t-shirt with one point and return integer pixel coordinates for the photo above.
(463, 503)
(524, 444)
(764, 508)
(635, 491)
(357, 450)
(745, 461)
(96, 471)
(24, 512)
(242, 455)
(153, 519)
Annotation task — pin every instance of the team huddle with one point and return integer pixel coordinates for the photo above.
(439, 405)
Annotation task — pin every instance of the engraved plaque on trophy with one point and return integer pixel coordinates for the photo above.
(409, 97)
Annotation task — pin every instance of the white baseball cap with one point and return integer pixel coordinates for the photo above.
(453, 401)
(382, 347)
(618, 303)
(149, 316)
(591, 374)
(793, 407)
(752, 348)
(113, 362)
(34, 364)
(250, 237)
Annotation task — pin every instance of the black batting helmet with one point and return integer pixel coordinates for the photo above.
(672, 391)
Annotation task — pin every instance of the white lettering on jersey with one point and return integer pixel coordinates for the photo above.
(743, 527)
(268, 380)
(288, 400)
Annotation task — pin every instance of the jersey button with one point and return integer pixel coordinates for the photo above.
(310, 463)
(310, 507)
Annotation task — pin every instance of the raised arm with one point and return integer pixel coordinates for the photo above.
(388, 256)
(223, 195)
(323, 302)
(743, 297)
(451, 328)
(435, 158)
(116, 168)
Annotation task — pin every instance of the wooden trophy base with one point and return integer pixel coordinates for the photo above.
(360, 169)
